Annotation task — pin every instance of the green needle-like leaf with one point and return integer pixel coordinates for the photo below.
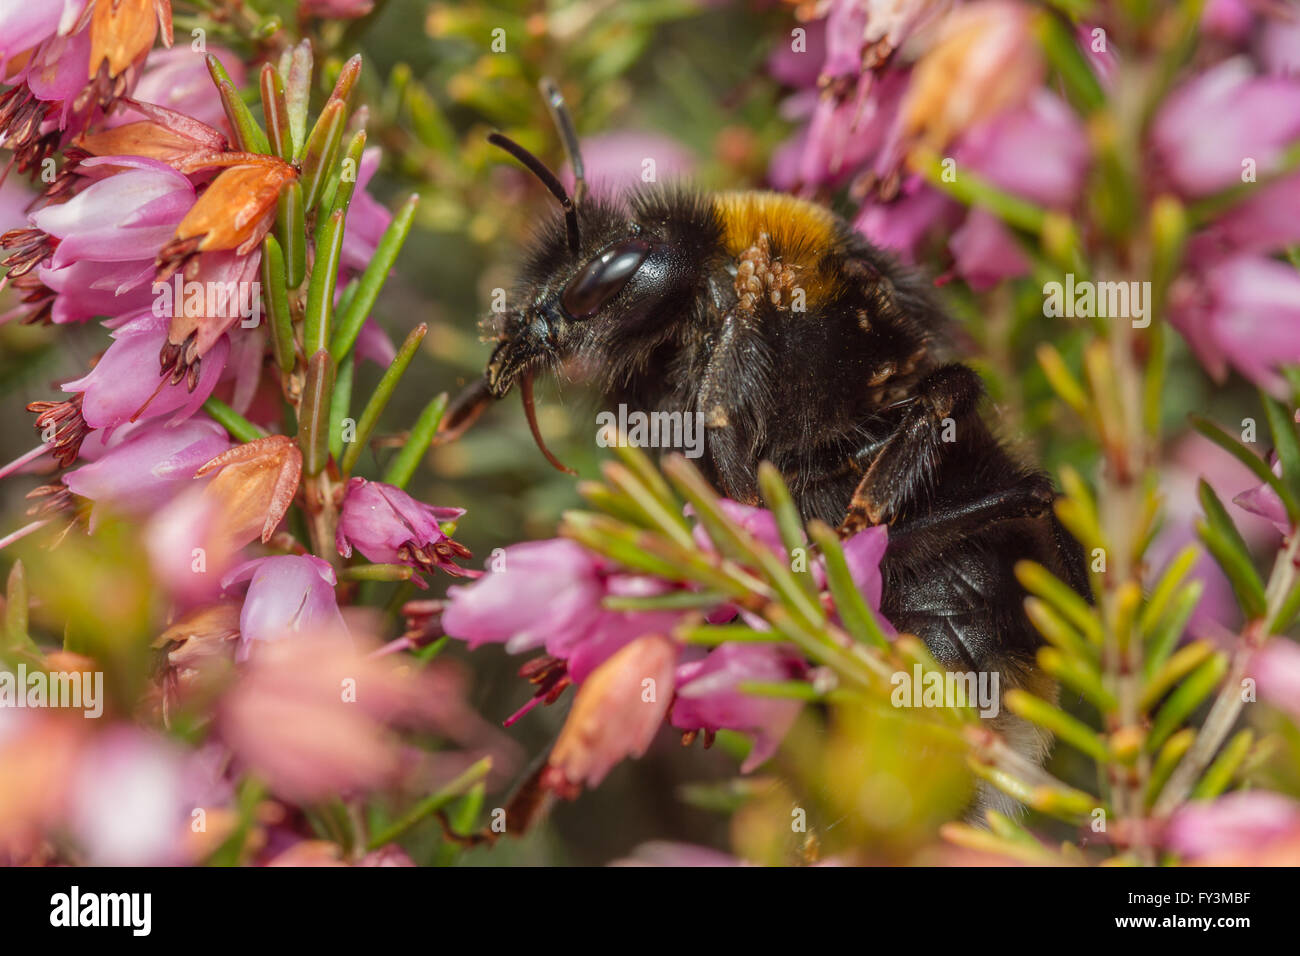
(276, 297)
(1069, 729)
(417, 443)
(233, 422)
(340, 405)
(1219, 776)
(276, 111)
(1186, 698)
(379, 400)
(291, 232)
(788, 522)
(320, 290)
(1258, 467)
(353, 316)
(1225, 543)
(854, 612)
(314, 412)
(248, 135)
(322, 150)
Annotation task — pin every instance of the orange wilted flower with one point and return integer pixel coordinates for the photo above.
(121, 34)
(616, 713)
(122, 31)
(180, 141)
(235, 212)
(984, 61)
(255, 487)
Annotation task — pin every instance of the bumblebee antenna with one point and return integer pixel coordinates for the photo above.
(538, 169)
(563, 120)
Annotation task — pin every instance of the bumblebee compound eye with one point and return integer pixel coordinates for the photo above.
(603, 278)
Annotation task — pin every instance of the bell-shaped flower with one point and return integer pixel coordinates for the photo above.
(254, 486)
(388, 526)
(125, 385)
(616, 714)
(149, 467)
(1211, 127)
(287, 594)
(709, 697)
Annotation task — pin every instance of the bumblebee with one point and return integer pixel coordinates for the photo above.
(801, 344)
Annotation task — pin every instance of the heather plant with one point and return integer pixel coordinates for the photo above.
(237, 632)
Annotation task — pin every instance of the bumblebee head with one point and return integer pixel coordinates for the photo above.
(594, 284)
(602, 299)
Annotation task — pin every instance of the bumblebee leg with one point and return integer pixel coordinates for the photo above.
(463, 411)
(906, 465)
(1031, 497)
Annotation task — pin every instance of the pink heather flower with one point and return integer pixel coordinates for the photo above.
(36, 110)
(1277, 674)
(389, 855)
(548, 594)
(1212, 124)
(14, 200)
(190, 546)
(125, 383)
(846, 22)
(93, 255)
(709, 698)
(1104, 62)
(87, 289)
(24, 25)
(615, 714)
(373, 344)
(1263, 223)
(1262, 500)
(123, 217)
(862, 552)
(551, 593)
(131, 800)
(1243, 312)
(287, 595)
(799, 69)
(845, 134)
(1235, 827)
(535, 592)
(613, 630)
(1279, 46)
(388, 526)
(218, 269)
(985, 251)
(758, 522)
(1229, 19)
(146, 470)
(1038, 151)
(178, 79)
(1191, 458)
(865, 33)
(310, 716)
(902, 224)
